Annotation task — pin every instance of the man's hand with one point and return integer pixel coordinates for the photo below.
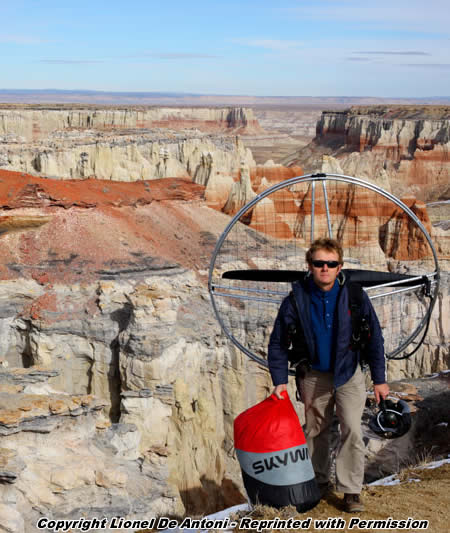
(381, 391)
(278, 390)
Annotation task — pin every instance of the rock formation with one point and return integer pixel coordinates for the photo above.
(103, 292)
(124, 144)
(130, 159)
(410, 143)
(114, 369)
(39, 122)
(241, 193)
(118, 390)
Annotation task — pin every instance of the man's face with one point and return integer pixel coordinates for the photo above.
(323, 275)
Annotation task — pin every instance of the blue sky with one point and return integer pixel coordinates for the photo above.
(395, 48)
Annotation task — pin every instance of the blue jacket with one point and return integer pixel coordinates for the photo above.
(345, 360)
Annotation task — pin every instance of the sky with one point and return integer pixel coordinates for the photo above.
(384, 48)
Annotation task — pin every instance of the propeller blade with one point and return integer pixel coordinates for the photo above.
(367, 278)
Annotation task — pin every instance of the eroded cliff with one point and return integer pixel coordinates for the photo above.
(118, 389)
(125, 144)
(38, 122)
(410, 144)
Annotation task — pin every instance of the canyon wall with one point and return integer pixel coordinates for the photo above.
(125, 144)
(37, 123)
(410, 144)
(118, 390)
(131, 159)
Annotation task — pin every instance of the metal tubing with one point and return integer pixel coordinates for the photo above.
(247, 289)
(414, 287)
(250, 298)
(327, 208)
(313, 178)
(399, 282)
(313, 205)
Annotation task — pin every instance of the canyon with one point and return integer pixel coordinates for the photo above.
(118, 389)
(409, 144)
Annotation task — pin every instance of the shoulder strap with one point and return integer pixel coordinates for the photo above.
(355, 299)
(299, 351)
(360, 323)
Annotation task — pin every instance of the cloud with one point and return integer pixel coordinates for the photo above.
(167, 56)
(392, 53)
(179, 56)
(405, 15)
(271, 44)
(70, 61)
(437, 66)
(22, 39)
(358, 59)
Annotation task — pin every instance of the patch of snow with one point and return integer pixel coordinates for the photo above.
(386, 481)
(220, 515)
(435, 464)
(393, 480)
(227, 512)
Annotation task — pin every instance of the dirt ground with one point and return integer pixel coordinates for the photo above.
(425, 498)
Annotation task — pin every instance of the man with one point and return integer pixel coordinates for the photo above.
(319, 312)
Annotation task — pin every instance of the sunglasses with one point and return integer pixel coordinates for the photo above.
(318, 263)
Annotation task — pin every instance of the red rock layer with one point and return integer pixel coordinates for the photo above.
(400, 236)
(24, 190)
(412, 145)
(75, 231)
(272, 175)
(359, 217)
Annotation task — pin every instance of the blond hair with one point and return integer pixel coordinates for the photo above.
(330, 245)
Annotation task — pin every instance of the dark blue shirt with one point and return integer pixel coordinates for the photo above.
(323, 305)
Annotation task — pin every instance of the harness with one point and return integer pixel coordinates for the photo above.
(360, 323)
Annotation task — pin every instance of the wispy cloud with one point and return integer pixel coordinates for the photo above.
(405, 15)
(70, 61)
(161, 55)
(22, 39)
(358, 59)
(393, 53)
(145, 56)
(437, 66)
(271, 44)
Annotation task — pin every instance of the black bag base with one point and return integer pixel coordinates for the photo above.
(303, 496)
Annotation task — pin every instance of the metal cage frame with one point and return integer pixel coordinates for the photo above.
(322, 178)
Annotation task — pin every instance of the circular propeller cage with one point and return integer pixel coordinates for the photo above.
(262, 250)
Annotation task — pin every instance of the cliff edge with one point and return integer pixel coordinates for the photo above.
(408, 144)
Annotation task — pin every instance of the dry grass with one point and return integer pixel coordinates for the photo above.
(425, 498)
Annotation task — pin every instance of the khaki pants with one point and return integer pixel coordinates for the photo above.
(320, 397)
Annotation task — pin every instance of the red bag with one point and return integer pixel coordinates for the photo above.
(273, 455)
